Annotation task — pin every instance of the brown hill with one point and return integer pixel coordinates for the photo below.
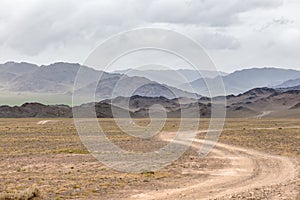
(297, 106)
(36, 110)
(258, 103)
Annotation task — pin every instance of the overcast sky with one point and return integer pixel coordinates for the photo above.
(235, 33)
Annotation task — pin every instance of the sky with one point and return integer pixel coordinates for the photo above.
(235, 34)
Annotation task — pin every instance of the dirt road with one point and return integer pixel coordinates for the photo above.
(263, 114)
(251, 175)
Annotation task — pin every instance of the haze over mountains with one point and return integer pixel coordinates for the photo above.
(172, 77)
(58, 79)
(289, 83)
(256, 103)
(53, 84)
(243, 80)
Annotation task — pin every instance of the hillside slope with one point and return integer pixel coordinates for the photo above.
(255, 103)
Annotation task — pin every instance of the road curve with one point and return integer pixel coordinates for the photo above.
(249, 170)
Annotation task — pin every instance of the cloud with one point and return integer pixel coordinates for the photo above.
(218, 41)
(276, 22)
(205, 12)
(67, 30)
(50, 24)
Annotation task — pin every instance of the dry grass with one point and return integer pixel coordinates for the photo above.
(276, 136)
(29, 194)
(52, 157)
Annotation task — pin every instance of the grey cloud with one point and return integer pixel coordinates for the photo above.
(62, 23)
(207, 12)
(212, 40)
(67, 30)
(276, 22)
(58, 23)
(282, 21)
(220, 41)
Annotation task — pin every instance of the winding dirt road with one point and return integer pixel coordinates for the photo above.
(251, 172)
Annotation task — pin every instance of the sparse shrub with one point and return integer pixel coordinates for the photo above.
(147, 173)
(29, 194)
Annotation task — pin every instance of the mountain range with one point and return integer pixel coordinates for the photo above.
(18, 79)
(172, 77)
(289, 83)
(243, 80)
(255, 103)
(53, 84)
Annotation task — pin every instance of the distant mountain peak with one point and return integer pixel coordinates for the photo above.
(262, 90)
(289, 83)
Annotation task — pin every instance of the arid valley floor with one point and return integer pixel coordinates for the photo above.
(254, 159)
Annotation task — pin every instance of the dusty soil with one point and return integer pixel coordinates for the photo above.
(49, 156)
(250, 175)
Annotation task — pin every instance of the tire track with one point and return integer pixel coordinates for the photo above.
(249, 169)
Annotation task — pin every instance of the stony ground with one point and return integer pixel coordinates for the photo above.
(50, 157)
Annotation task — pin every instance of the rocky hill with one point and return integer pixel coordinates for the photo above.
(255, 103)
